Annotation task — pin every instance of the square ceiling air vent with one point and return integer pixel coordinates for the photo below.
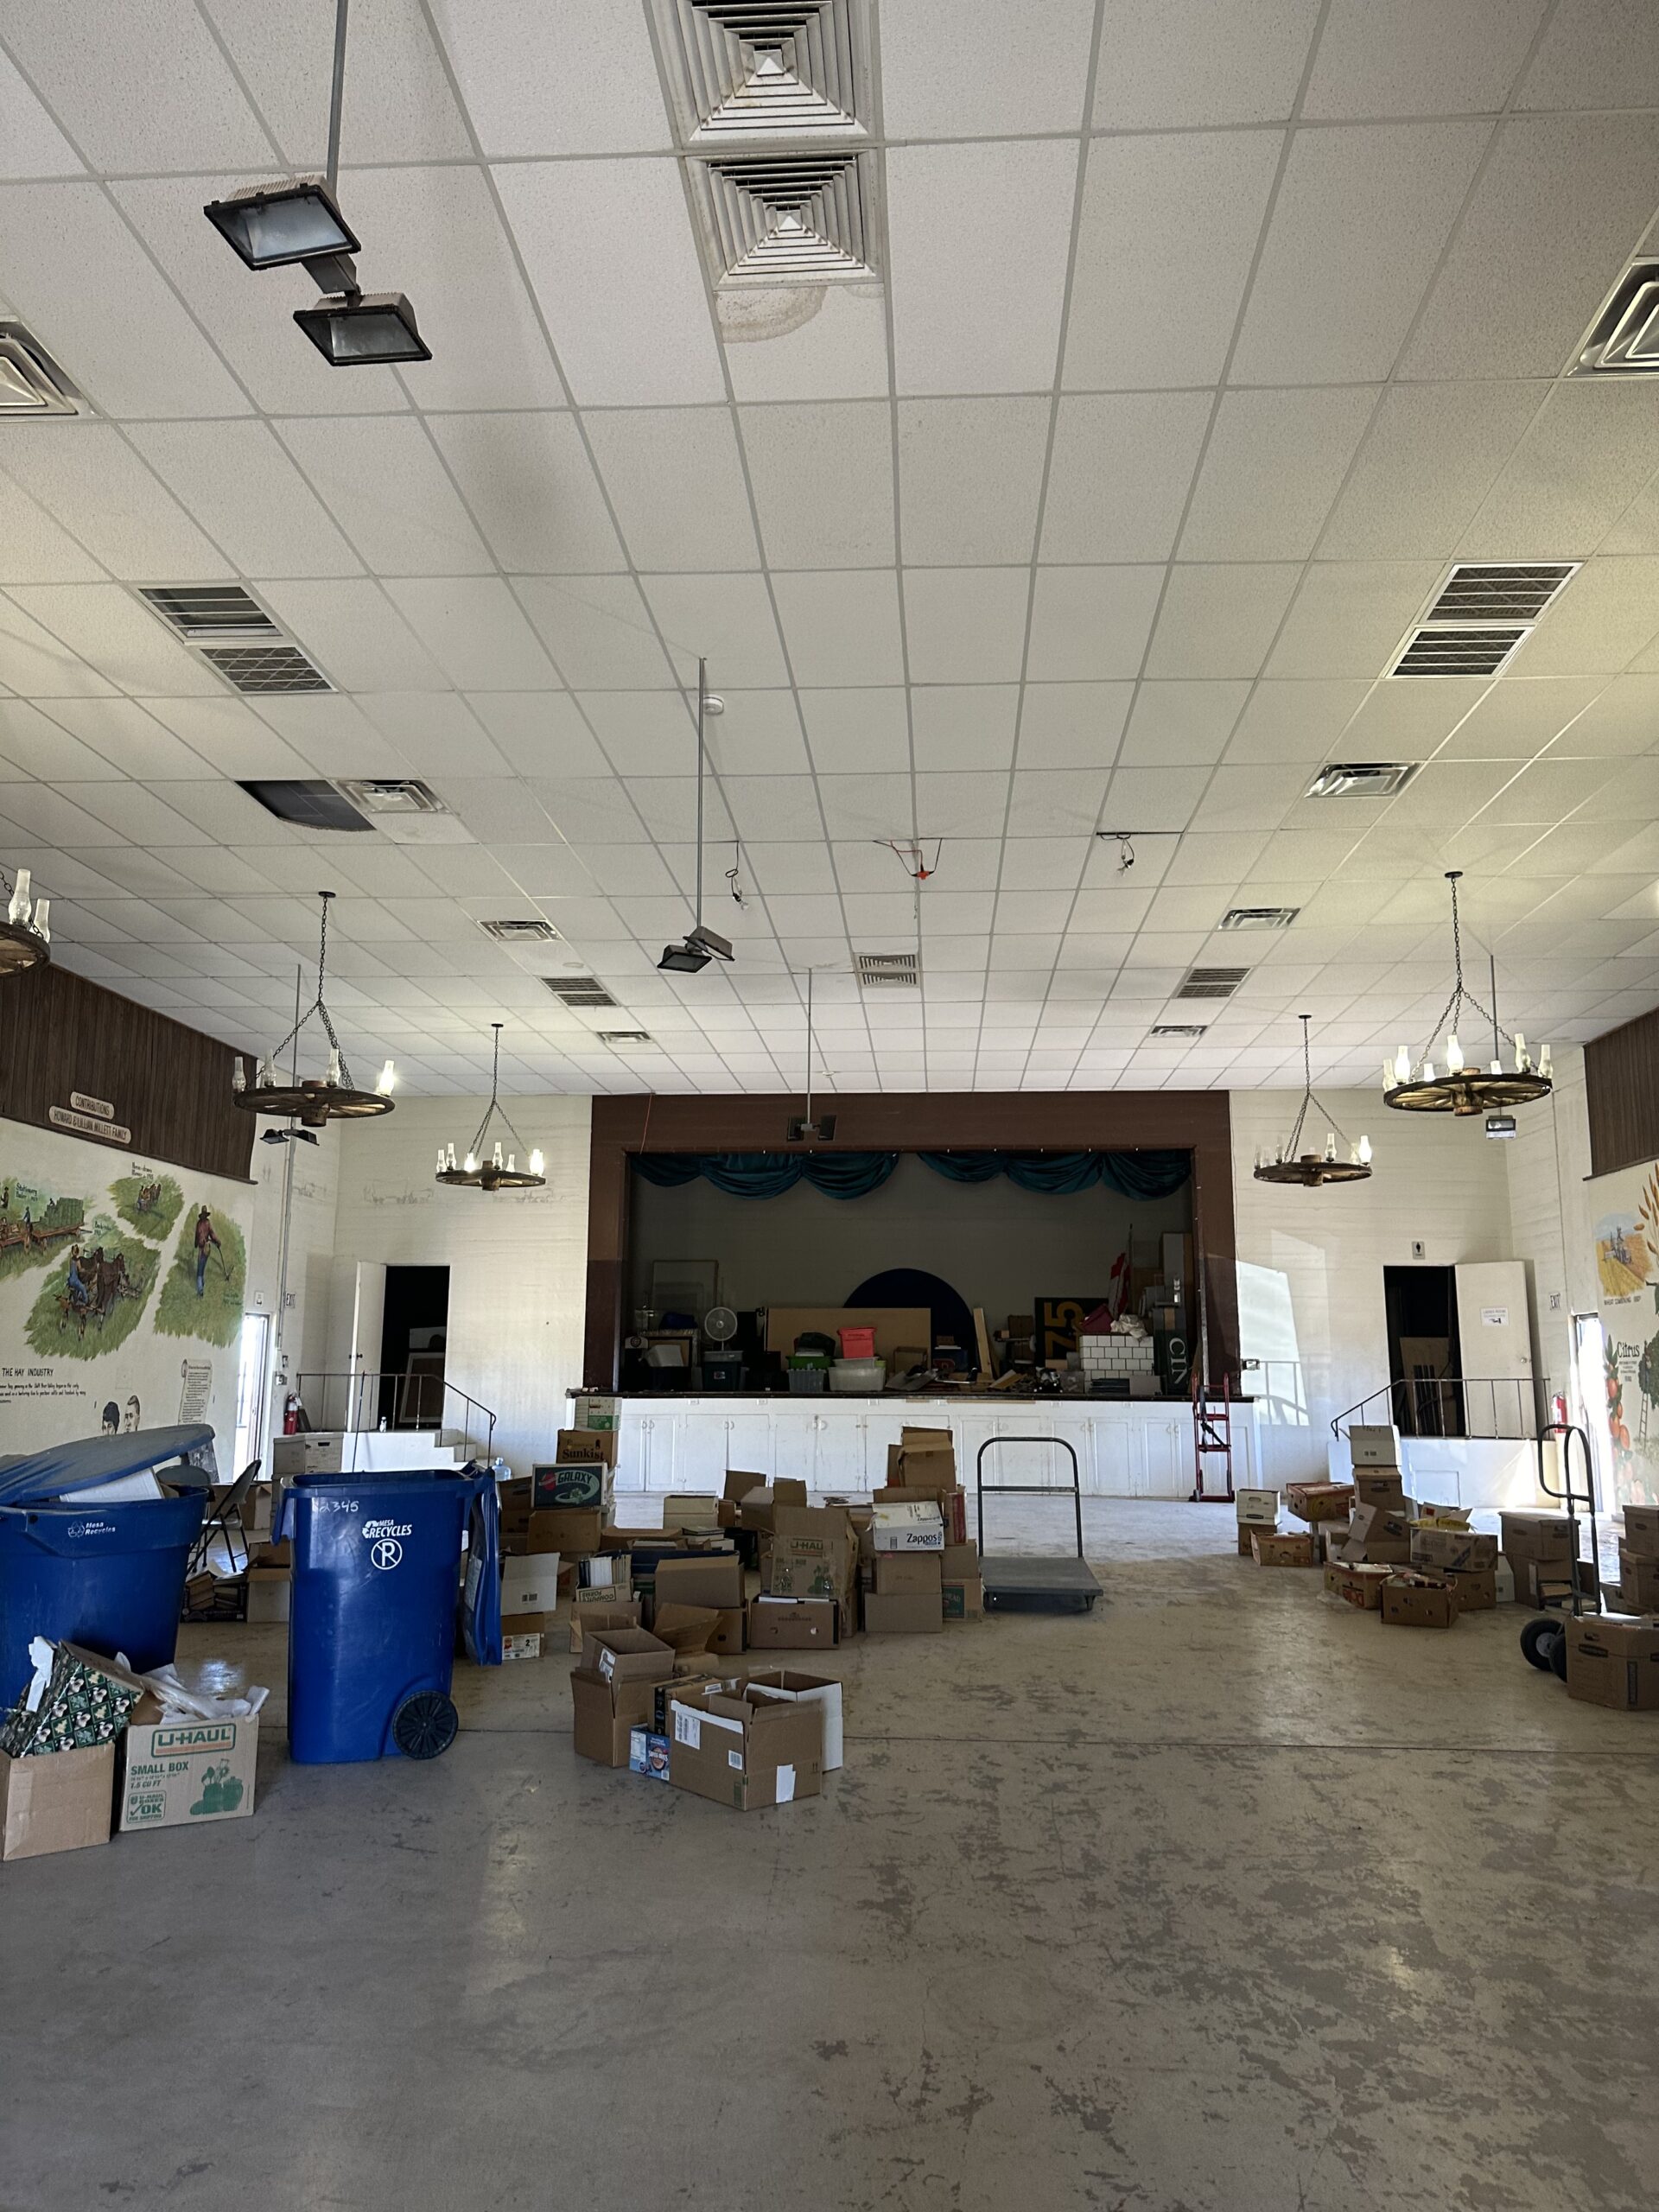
(1468, 651)
(1505, 591)
(31, 383)
(786, 219)
(624, 1036)
(1361, 779)
(312, 805)
(777, 68)
(514, 930)
(215, 611)
(1179, 1029)
(878, 969)
(1258, 918)
(1210, 983)
(393, 795)
(266, 668)
(579, 990)
(1623, 339)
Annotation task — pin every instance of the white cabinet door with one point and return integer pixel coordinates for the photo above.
(1495, 1330)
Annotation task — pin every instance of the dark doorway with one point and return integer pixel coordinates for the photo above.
(412, 1336)
(1425, 1357)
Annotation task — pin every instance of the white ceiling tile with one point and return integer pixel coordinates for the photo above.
(1143, 445)
(775, 806)
(399, 107)
(1166, 63)
(38, 747)
(129, 737)
(1155, 209)
(1420, 57)
(1072, 725)
(609, 249)
(1517, 718)
(726, 619)
(34, 547)
(31, 144)
(1350, 615)
(245, 492)
(1150, 799)
(979, 68)
(1219, 621)
(795, 343)
(354, 633)
(1090, 625)
(644, 732)
(1056, 802)
(1432, 454)
(1408, 720)
(1624, 719)
(841, 626)
(538, 80)
(823, 482)
(855, 730)
(964, 803)
(434, 732)
(1321, 312)
(90, 478)
(531, 491)
(599, 631)
(138, 88)
(1558, 206)
(69, 254)
(389, 492)
(229, 737)
(116, 635)
(1595, 53)
(1571, 476)
(1176, 725)
(866, 806)
(966, 623)
(335, 735)
(1602, 619)
(138, 814)
(475, 630)
(977, 298)
(1249, 798)
(1274, 467)
(676, 480)
(964, 725)
(971, 475)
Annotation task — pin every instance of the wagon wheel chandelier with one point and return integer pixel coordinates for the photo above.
(475, 1173)
(1457, 1087)
(1312, 1169)
(318, 1099)
(25, 933)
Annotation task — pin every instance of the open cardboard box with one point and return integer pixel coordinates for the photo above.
(744, 1748)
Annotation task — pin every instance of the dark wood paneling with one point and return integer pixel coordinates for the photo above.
(169, 1085)
(1620, 1093)
(1196, 1121)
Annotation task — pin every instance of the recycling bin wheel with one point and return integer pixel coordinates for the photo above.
(425, 1725)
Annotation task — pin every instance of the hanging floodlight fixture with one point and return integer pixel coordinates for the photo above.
(26, 931)
(298, 223)
(1312, 1170)
(1415, 1087)
(317, 1100)
(474, 1172)
(700, 944)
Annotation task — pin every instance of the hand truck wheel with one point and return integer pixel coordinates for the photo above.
(1543, 1645)
(425, 1725)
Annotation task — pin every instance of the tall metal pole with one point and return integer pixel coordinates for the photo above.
(702, 693)
(336, 95)
(277, 1341)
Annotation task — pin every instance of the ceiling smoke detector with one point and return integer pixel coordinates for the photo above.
(517, 930)
(1210, 983)
(1361, 779)
(1623, 339)
(1258, 918)
(786, 219)
(877, 969)
(764, 68)
(31, 383)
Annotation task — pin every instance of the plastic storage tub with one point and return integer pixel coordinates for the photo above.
(110, 1576)
(852, 1377)
(858, 1344)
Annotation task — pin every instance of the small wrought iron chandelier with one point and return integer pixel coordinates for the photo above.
(1457, 1087)
(25, 932)
(475, 1173)
(318, 1099)
(1312, 1169)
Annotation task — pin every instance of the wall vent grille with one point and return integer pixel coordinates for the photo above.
(1361, 779)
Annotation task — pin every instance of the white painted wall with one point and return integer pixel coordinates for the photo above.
(517, 1261)
(317, 1187)
(1551, 1211)
(1310, 1262)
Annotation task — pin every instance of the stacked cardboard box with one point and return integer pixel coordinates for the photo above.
(907, 1596)
(1257, 1511)
(1379, 1528)
(921, 1466)
(1413, 1599)
(612, 1690)
(1638, 1560)
(1614, 1661)
(809, 1575)
(1539, 1548)
(1316, 1502)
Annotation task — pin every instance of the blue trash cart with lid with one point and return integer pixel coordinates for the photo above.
(372, 1620)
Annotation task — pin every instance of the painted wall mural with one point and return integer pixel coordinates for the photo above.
(122, 1288)
(1627, 1276)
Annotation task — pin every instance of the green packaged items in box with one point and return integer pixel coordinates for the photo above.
(84, 1701)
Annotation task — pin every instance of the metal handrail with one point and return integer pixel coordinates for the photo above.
(360, 1403)
(1416, 1404)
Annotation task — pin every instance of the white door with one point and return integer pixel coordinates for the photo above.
(357, 1307)
(1495, 1331)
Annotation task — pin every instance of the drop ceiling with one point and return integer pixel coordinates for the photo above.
(1199, 344)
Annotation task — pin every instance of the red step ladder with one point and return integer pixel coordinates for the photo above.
(1212, 1440)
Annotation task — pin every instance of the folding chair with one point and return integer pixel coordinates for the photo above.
(224, 1518)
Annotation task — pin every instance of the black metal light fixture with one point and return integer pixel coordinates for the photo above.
(1456, 1087)
(474, 1172)
(25, 931)
(700, 944)
(316, 1101)
(298, 223)
(1312, 1170)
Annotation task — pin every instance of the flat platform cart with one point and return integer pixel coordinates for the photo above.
(1013, 1584)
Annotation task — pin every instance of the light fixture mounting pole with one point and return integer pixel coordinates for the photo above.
(337, 94)
(703, 696)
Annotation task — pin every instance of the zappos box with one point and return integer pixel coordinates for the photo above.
(181, 1772)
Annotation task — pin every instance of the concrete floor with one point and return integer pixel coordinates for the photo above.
(1222, 1899)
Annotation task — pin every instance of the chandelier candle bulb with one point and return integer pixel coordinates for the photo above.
(469, 1166)
(1364, 1151)
(1543, 1052)
(1329, 1144)
(1453, 1053)
(336, 1068)
(537, 1163)
(388, 1080)
(18, 909)
(238, 1074)
(512, 1161)
(1402, 1065)
(38, 921)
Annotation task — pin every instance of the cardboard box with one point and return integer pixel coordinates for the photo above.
(588, 1484)
(729, 1638)
(1320, 1501)
(594, 1409)
(1549, 1581)
(909, 1575)
(1422, 1603)
(1374, 1447)
(1476, 1589)
(964, 1600)
(715, 1580)
(575, 1531)
(59, 1801)
(902, 1616)
(597, 1446)
(1383, 1486)
(809, 1690)
(648, 1754)
(597, 1617)
(1452, 1551)
(1612, 1661)
(793, 1623)
(756, 1510)
(960, 1562)
(1260, 1507)
(1641, 1530)
(1379, 1534)
(521, 1644)
(606, 1711)
(1270, 1550)
(1435, 1515)
(626, 1655)
(270, 1589)
(1247, 1532)
(814, 1553)
(1638, 1580)
(1359, 1585)
(1534, 1535)
(744, 1748)
(685, 1628)
(691, 1510)
(181, 1771)
(914, 1526)
(530, 1585)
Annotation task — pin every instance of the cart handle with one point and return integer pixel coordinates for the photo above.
(1026, 1489)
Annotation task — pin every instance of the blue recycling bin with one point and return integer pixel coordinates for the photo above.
(110, 1576)
(371, 1619)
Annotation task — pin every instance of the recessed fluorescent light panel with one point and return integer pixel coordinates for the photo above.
(1361, 779)
(1623, 339)
(1258, 918)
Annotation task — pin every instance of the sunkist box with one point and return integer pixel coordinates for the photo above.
(595, 1446)
(184, 1771)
